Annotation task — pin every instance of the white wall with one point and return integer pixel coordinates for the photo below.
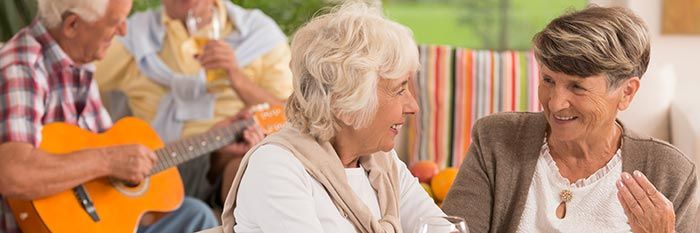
(678, 51)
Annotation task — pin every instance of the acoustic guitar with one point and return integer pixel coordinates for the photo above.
(109, 205)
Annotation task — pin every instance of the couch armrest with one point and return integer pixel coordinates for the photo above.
(685, 130)
(685, 127)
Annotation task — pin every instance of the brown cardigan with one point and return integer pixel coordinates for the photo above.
(493, 182)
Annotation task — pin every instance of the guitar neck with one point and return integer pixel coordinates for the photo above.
(189, 148)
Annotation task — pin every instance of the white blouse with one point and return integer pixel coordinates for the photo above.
(594, 206)
(276, 194)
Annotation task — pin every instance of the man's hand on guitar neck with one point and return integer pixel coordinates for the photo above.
(251, 136)
(232, 153)
(29, 173)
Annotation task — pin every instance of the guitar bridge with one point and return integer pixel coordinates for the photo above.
(85, 201)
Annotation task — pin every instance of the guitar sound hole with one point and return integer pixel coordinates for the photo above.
(131, 184)
(131, 189)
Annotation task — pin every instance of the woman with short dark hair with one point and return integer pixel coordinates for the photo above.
(574, 167)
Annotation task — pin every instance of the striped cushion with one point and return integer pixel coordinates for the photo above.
(456, 86)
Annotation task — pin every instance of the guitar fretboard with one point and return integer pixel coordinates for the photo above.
(186, 149)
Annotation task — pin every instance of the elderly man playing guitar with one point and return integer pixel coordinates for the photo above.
(45, 77)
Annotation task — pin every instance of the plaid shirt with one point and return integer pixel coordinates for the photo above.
(40, 84)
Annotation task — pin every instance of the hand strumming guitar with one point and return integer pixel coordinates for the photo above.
(131, 163)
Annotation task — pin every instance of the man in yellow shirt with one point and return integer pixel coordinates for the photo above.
(159, 71)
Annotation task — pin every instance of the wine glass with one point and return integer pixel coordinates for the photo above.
(442, 224)
(204, 26)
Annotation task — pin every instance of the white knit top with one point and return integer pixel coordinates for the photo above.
(594, 206)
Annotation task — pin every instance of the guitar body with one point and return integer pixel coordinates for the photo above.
(119, 207)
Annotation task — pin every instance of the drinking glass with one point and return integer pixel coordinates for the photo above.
(442, 224)
(204, 26)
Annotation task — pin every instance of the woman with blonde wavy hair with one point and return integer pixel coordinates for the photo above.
(334, 168)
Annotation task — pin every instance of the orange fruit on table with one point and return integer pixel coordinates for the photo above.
(424, 170)
(442, 182)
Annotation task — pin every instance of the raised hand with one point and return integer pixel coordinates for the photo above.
(234, 152)
(647, 209)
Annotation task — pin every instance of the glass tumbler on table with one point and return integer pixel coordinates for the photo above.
(442, 224)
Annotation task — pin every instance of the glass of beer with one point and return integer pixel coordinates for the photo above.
(204, 26)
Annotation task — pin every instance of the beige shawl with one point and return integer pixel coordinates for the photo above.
(323, 164)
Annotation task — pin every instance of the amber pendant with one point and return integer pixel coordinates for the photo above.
(564, 197)
(561, 210)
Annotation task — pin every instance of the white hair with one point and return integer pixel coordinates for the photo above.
(51, 11)
(337, 61)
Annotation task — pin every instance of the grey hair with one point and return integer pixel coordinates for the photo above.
(51, 11)
(597, 40)
(337, 61)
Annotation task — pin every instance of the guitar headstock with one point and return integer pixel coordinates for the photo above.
(270, 118)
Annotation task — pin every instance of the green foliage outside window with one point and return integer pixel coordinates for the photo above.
(289, 14)
(480, 24)
(15, 14)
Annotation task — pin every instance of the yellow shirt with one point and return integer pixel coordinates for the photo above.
(119, 71)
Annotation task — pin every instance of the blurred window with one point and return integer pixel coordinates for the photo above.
(479, 24)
